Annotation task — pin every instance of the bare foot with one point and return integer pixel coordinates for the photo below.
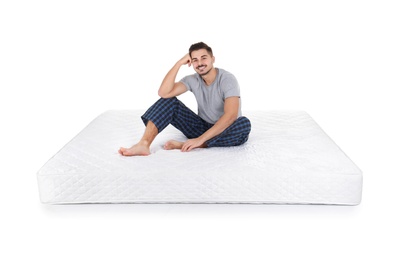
(172, 144)
(135, 150)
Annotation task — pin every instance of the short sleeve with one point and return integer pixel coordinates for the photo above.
(230, 86)
(190, 81)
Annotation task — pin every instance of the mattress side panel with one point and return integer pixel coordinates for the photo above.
(202, 188)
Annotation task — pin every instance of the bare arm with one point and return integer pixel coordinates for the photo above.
(169, 88)
(231, 106)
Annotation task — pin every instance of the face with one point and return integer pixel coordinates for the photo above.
(202, 61)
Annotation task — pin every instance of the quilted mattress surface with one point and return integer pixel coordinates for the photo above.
(288, 159)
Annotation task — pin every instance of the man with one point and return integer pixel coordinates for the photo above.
(219, 121)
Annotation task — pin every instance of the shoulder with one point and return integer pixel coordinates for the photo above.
(225, 76)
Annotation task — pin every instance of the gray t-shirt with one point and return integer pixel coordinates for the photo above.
(210, 99)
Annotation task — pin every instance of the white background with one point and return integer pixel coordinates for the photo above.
(62, 63)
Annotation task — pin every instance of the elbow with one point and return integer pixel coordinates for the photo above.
(162, 94)
(165, 91)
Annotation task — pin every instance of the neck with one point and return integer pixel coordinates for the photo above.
(210, 76)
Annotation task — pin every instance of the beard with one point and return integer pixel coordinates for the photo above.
(205, 73)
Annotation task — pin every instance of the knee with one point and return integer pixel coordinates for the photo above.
(168, 100)
(165, 103)
(244, 123)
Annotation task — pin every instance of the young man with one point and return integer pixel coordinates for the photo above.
(219, 121)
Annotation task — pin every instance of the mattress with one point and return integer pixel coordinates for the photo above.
(288, 159)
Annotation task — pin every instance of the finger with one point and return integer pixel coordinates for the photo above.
(189, 148)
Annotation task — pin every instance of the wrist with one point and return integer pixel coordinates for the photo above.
(179, 63)
(202, 139)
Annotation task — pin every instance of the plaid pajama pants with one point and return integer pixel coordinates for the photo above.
(172, 111)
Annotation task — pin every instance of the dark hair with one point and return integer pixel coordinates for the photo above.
(199, 46)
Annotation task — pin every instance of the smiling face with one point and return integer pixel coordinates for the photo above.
(202, 61)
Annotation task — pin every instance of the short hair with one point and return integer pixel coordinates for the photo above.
(199, 46)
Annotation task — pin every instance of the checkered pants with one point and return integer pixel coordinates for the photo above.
(172, 111)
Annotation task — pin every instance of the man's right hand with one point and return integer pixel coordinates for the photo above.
(186, 60)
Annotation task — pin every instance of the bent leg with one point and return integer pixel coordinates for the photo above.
(172, 111)
(161, 113)
(236, 134)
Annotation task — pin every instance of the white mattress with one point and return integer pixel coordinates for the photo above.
(287, 160)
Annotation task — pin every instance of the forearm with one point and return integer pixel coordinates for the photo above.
(169, 80)
(222, 124)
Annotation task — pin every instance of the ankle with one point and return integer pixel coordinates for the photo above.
(144, 142)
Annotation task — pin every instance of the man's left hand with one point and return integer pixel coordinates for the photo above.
(191, 144)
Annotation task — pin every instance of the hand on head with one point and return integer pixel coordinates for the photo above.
(186, 60)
